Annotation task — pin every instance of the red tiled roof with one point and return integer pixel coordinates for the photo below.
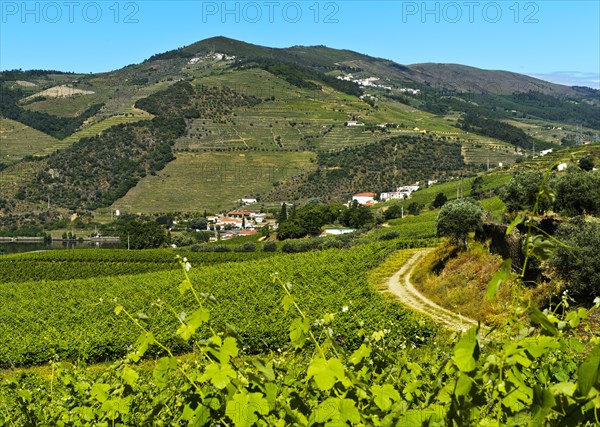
(365, 195)
(240, 212)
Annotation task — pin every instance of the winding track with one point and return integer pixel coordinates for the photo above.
(400, 285)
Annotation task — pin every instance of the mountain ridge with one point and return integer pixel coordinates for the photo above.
(236, 47)
(336, 113)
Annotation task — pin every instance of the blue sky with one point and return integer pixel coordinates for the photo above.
(555, 40)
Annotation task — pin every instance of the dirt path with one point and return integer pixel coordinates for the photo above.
(400, 285)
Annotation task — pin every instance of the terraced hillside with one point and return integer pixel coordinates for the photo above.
(18, 140)
(213, 180)
(95, 128)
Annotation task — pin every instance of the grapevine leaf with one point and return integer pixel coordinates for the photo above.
(271, 390)
(384, 395)
(518, 398)
(243, 408)
(196, 417)
(185, 286)
(229, 349)
(566, 388)
(543, 401)
(500, 277)
(466, 352)
(129, 375)
(348, 412)
(163, 369)
(143, 342)
(538, 346)
(193, 322)
(287, 302)
(218, 375)
(518, 220)
(540, 318)
(420, 417)
(299, 332)
(326, 372)
(265, 369)
(327, 410)
(463, 385)
(589, 372)
(116, 406)
(363, 352)
(100, 392)
(539, 247)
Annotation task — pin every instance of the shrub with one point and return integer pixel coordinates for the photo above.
(246, 247)
(390, 236)
(270, 246)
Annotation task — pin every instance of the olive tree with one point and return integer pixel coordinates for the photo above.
(578, 263)
(521, 192)
(457, 218)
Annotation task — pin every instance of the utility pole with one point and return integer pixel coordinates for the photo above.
(127, 241)
(48, 201)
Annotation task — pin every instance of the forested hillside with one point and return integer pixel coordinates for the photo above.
(378, 167)
(96, 171)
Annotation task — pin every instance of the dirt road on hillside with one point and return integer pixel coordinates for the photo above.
(400, 285)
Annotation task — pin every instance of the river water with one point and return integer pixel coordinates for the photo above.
(20, 247)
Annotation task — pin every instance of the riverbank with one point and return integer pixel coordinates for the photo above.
(23, 239)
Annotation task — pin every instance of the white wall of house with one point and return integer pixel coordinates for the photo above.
(363, 199)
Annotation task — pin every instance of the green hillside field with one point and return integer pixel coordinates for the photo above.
(18, 140)
(213, 180)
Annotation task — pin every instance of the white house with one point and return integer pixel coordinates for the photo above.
(562, 167)
(408, 188)
(337, 231)
(353, 123)
(234, 222)
(259, 218)
(544, 152)
(393, 195)
(365, 199)
(248, 201)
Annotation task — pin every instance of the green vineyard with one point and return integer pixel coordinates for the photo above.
(74, 319)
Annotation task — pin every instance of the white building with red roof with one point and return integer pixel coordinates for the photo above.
(365, 199)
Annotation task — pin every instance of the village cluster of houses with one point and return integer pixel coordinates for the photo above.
(214, 55)
(403, 192)
(366, 82)
(237, 223)
(409, 90)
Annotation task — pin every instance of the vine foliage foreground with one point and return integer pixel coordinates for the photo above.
(533, 377)
(543, 369)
